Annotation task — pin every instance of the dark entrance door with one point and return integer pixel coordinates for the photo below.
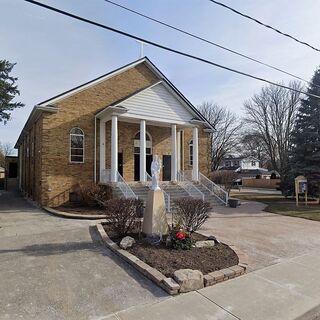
(120, 163)
(137, 165)
(148, 163)
(13, 170)
(166, 167)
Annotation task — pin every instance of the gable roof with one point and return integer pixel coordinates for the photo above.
(46, 105)
(113, 73)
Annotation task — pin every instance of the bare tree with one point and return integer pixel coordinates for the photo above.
(252, 144)
(271, 114)
(6, 149)
(225, 138)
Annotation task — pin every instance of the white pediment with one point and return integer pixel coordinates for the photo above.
(159, 103)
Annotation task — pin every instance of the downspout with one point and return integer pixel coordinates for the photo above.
(95, 150)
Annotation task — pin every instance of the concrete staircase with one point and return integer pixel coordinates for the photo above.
(174, 190)
(214, 201)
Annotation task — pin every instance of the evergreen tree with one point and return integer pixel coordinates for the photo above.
(8, 91)
(306, 139)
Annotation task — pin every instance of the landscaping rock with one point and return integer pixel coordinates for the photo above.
(205, 243)
(127, 242)
(214, 239)
(188, 279)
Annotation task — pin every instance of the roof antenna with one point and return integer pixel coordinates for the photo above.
(141, 48)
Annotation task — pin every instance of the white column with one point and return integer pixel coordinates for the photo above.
(114, 148)
(179, 151)
(174, 152)
(102, 141)
(195, 156)
(143, 145)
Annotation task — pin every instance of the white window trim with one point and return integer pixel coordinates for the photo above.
(75, 134)
(136, 143)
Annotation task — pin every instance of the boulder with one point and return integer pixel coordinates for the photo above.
(205, 243)
(214, 239)
(188, 279)
(127, 242)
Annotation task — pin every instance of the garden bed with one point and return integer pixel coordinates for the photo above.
(81, 209)
(167, 260)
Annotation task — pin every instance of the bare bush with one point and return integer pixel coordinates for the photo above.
(122, 214)
(225, 178)
(93, 194)
(190, 213)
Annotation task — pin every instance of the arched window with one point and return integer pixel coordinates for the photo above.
(137, 143)
(191, 152)
(76, 145)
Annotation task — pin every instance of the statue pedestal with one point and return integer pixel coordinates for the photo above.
(154, 219)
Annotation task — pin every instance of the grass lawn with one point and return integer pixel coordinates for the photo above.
(280, 205)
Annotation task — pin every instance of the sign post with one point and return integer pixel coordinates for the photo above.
(301, 187)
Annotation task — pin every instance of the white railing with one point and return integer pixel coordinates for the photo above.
(105, 176)
(166, 195)
(214, 189)
(121, 183)
(188, 186)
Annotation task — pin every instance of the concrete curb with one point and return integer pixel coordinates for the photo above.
(169, 284)
(74, 216)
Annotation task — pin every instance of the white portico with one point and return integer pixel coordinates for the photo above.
(156, 109)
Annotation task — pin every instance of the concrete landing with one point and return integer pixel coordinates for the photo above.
(288, 290)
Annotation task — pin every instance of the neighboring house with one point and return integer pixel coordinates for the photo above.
(2, 173)
(240, 163)
(91, 133)
(248, 168)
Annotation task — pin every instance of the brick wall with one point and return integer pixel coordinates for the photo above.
(78, 110)
(48, 176)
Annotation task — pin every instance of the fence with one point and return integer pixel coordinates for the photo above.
(261, 183)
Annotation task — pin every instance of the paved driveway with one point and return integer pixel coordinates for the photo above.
(53, 268)
(265, 237)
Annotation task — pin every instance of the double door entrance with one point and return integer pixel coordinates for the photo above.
(166, 166)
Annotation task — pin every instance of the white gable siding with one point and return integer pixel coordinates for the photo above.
(159, 103)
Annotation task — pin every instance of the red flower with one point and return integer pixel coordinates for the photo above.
(180, 235)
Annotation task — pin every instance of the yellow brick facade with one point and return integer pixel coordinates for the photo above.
(47, 173)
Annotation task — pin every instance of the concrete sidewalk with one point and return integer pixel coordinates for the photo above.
(287, 290)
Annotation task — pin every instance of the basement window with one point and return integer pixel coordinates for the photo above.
(76, 145)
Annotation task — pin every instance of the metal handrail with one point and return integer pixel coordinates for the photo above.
(121, 183)
(213, 188)
(166, 195)
(188, 186)
(125, 188)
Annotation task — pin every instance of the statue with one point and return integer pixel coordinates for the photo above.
(155, 172)
(155, 223)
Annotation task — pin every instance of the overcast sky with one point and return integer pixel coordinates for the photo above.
(55, 53)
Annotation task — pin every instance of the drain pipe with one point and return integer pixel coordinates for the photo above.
(95, 151)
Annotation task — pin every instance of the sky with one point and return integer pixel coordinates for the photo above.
(55, 53)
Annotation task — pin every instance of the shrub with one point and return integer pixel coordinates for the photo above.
(181, 240)
(95, 194)
(122, 213)
(190, 213)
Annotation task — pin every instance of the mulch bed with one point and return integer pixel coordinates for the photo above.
(167, 260)
(81, 209)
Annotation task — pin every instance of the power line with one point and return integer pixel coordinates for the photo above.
(265, 25)
(207, 41)
(165, 47)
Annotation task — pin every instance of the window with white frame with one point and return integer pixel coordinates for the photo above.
(76, 145)
(253, 163)
(137, 143)
(191, 152)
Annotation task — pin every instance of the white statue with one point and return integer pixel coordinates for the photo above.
(155, 172)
